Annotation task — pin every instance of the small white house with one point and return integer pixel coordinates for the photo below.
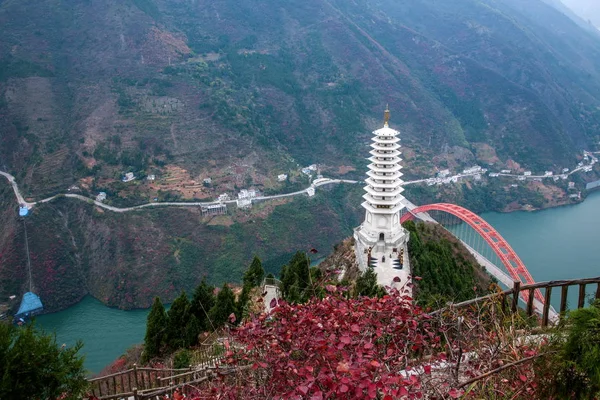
(282, 177)
(247, 194)
(101, 197)
(565, 170)
(128, 177)
(443, 173)
(151, 177)
(506, 171)
(244, 203)
(207, 181)
(473, 170)
(224, 197)
(527, 173)
(548, 173)
(310, 191)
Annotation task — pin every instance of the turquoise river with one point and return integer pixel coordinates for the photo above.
(558, 243)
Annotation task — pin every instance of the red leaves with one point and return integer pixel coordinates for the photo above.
(336, 347)
(342, 367)
(345, 339)
(302, 389)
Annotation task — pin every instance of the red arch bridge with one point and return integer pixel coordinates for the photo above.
(489, 248)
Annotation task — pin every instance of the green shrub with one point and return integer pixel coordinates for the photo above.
(182, 359)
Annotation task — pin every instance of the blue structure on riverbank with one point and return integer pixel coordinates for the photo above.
(23, 211)
(30, 305)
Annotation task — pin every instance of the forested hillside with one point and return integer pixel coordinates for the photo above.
(240, 92)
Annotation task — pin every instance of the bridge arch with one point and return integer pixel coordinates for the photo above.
(499, 245)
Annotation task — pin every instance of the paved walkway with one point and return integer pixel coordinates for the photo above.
(387, 270)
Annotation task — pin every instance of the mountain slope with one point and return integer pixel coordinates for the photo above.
(136, 84)
(243, 91)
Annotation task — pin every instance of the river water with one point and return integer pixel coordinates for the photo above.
(559, 243)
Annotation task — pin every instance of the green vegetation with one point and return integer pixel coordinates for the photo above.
(33, 366)
(299, 281)
(446, 270)
(366, 285)
(575, 364)
(155, 330)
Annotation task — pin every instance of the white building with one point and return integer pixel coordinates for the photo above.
(247, 194)
(128, 177)
(151, 177)
(520, 178)
(244, 203)
(282, 177)
(443, 173)
(548, 173)
(380, 239)
(101, 197)
(310, 191)
(506, 171)
(571, 185)
(207, 181)
(494, 174)
(565, 170)
(224, 197)
(527, 173)
(473, 170)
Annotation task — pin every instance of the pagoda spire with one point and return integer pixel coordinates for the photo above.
(386, 115)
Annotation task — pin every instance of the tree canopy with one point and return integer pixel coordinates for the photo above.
(156, 326)
(33, 366)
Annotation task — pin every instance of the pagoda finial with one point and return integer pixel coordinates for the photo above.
(386, 115)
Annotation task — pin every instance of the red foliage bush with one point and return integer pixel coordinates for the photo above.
(367, 348)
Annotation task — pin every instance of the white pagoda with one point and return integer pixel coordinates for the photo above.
(381, 240)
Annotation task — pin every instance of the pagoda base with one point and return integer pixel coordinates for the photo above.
(389, 260)
(366, 239)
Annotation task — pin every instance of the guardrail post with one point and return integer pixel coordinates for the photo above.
(564, 291)
(547, 297)
(135, 377)
(135, 394)
(581, 301)
(515, 300)
(530, 302)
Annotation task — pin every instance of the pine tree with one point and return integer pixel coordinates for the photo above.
(178, 317)
(192, 330)
(299, 265)
(155, 330)
(255, 273)
(223, 308)
(366, 285)
(203, 301)
(243, 301)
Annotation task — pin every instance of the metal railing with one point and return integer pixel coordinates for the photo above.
(509, 299)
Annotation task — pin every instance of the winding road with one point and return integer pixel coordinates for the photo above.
(21, 200)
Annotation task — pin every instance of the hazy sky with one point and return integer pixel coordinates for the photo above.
(586, 9)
